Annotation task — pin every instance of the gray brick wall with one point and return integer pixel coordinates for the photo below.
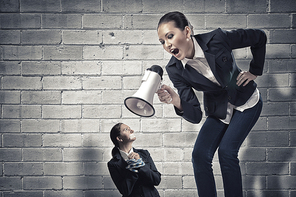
(67, 65)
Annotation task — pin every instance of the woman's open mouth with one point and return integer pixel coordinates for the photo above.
(175, 51)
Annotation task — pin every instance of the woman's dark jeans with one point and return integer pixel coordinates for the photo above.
(228, 138)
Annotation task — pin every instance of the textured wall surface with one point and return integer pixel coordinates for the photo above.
(67, 65)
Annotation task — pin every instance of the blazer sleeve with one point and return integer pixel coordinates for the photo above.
(149, 173)
(123, 179)
(255, 39)
(190, 104)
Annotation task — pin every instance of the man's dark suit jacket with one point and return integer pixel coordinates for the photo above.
(217, 47)
(132, 184)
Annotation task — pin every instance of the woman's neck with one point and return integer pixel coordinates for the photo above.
(126, 147)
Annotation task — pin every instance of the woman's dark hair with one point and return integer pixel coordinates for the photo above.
(178, 18)
(114, 133)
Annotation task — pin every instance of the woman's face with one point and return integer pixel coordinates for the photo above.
(175, 41)
(127, 134)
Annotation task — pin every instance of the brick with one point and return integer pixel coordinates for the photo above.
(252, 154)
(10, 68)
(10, 183)
(271, 193)
(63, 193)
(23, 194)
(23, 169)
(103, 52)
(78, 6)
(10, 36)
(19, 82)
(280, 154)
(293, 51)
(70, 21)
(61, 82)
(282, 94)
(87, 182)
(83, 154)
(121, 68)
(161, 125)
(9, 97)
(150, 37)
(204, 6)
(101, 111)
(96, 168)
(161, 6)
(11, 154)
(7, 125)
(80, 125)
(41, 37)
(22, 140)
(22, 52)
(141, 21)
(293, 168)
(42, 183)
(273, 80)
(61, 111)
(89, 193)
(293, 20)
(282, 36)
(23, 111)
(246, 6)
(20, 21)
(41, 68)
(40, 126)
(179, 139)
(228, 21)
(280, 108)
(281, 182)
(147, 140)
(82, 37)
(96, 140)
(283, 65)
(254, 182)
(281, 123)
(257, 168)
(107, 124)
(183, 193)
(282, 6)
(63, 169)
(40, 6)
(41, 97)
(122, 37)
(42, 154)
(81, 68)
(63, 52)
(82, 97)
(173, 182)
(268, 139)
(173, 154)
(293, 108)
(132, 82)
(136, 52)
(198, 21)
(278, 51)
(104, 82)
(62, 140)
(9, 6)
(268, 21)
(97, 21)
(124, 6)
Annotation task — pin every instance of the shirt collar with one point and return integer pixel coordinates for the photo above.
(198, 53)
(124, 155)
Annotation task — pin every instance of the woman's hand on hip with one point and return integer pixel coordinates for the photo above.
(244, 78)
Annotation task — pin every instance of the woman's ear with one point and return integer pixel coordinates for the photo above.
(119, 139)
(188, 31)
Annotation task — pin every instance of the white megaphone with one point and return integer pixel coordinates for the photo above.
(141, 103)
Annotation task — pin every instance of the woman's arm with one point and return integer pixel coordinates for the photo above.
(149, 173)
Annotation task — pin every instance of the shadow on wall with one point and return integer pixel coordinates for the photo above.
(270, 176)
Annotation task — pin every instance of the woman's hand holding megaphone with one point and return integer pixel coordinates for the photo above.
(167, 95)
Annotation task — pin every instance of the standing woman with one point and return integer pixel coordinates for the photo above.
(232, 102)
(132, 170)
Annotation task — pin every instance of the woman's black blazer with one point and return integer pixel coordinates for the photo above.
(134, 184)
(217, 47)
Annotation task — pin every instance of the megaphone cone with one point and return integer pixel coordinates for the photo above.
(141, 103)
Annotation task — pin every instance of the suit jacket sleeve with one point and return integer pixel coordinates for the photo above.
(253, 38)
(123, 179)
(190, 104)
(149, 173)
